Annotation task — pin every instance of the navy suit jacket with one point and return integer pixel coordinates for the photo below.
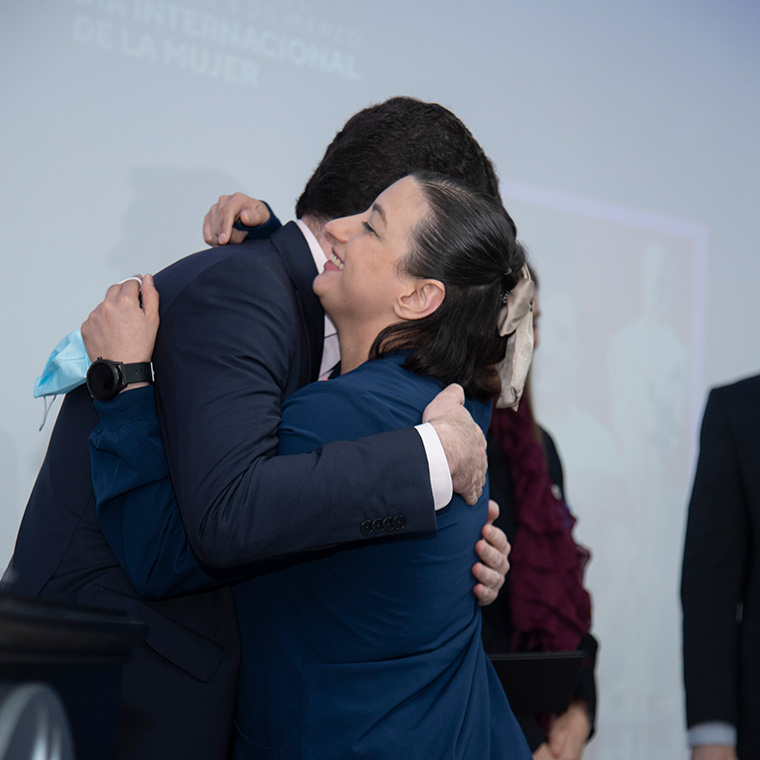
(240, 330)
(720, 586)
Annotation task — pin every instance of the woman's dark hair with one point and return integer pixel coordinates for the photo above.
(467, 242)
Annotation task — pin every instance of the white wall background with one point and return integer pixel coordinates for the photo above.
(626, 136)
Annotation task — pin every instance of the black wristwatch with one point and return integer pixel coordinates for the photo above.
(105, 379)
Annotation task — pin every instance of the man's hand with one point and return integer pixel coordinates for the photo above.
(569, 732)
(217, 224)
(713, 752)
(120, 328)
(463, 442)
(493, 550)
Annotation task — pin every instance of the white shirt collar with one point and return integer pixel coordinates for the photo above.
(331, 355)
(316, 249)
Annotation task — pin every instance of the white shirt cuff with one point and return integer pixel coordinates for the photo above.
(440, 477)
(712, 732)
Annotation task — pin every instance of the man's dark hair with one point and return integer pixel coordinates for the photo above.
(385, 142)
(466, 241)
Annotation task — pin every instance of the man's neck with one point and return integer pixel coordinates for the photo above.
(317, 227)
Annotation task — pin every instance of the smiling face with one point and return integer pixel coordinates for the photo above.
(363, 278)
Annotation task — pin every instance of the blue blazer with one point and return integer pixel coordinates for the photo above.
(371, 650)
(241, 329)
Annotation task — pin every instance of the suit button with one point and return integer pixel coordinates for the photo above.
(388, 524)
(366, 527)
(377, 526)
(400, 522)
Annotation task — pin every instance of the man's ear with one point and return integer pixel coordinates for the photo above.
(421, 299)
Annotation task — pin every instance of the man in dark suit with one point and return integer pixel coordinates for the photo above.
(240, 330)
(720, 585)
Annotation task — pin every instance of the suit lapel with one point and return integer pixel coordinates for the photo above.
(294, 251)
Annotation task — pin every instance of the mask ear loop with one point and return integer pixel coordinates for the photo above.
(48, 407)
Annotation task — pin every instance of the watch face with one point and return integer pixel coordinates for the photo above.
(103, 380)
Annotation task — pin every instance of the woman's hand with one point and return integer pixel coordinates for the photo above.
(217, 224)
(569, 732)
(120, 328)
(493, 550)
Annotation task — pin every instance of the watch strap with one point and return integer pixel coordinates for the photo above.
(140, 372)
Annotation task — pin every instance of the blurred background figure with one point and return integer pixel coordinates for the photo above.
(544, 606)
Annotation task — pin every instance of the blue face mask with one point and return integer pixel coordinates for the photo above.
(66, 367)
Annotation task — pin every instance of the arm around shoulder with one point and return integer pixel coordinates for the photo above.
(228, 351)
(136, 507)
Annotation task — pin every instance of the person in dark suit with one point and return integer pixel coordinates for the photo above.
(720, 584)
(359, 662)
(241, 331)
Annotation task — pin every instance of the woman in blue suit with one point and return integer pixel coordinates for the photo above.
(343, 656)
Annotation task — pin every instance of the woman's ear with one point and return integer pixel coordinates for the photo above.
(421, 299)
